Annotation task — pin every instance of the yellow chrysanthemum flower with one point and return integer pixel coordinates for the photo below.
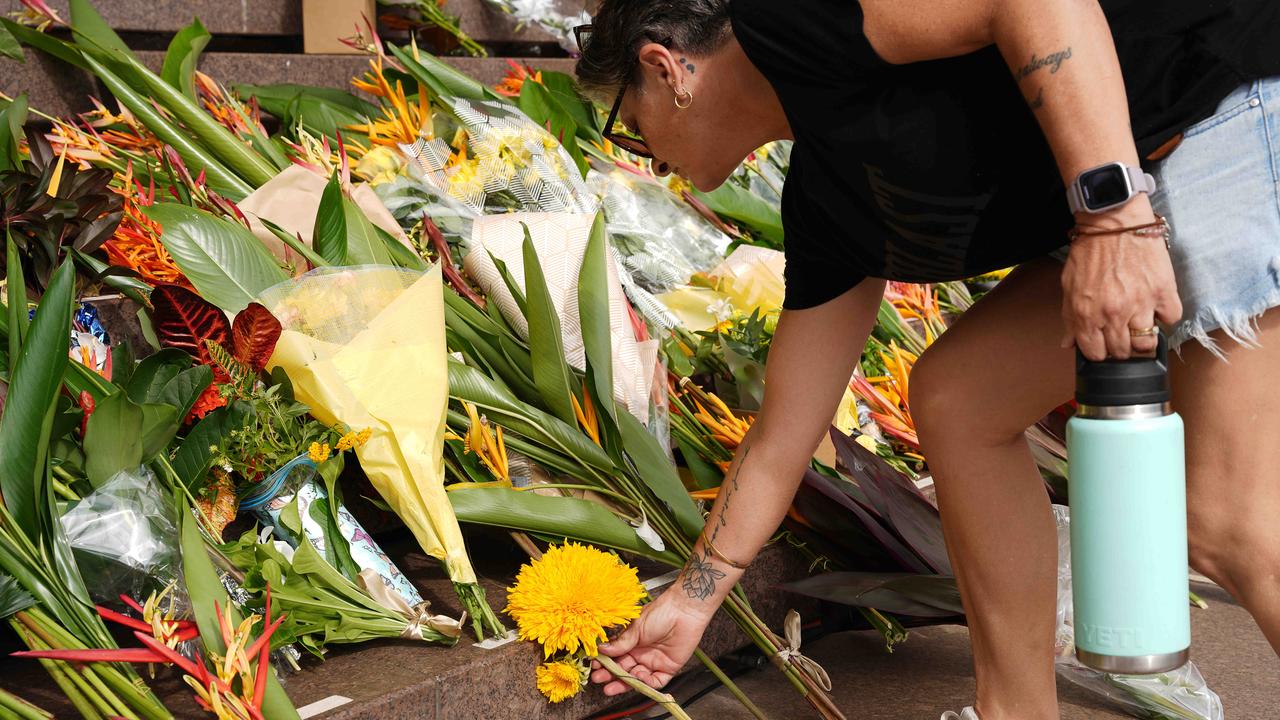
(559, 680)
(319, 453)
(566, 599)
(353, 439)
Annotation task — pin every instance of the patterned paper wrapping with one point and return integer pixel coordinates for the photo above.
(298, 479)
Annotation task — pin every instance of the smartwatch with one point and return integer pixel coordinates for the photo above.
(1107, 186)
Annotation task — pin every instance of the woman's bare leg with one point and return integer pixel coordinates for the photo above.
(1232, 415)
(997, 371)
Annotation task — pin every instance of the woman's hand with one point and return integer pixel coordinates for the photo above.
(658, 644)
(1114, 285)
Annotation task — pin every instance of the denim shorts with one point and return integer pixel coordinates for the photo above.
(1220, 191)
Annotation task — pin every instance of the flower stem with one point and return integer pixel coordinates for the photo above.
(21, 708)
(729, 684)
(661, 698)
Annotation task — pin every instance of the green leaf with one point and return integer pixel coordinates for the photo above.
(123, 363)
(184, 389)
(151, 375)
(11, 121)
(207, 594)
(91, 31)
(9, 46)
(329, 237)
(517, 293)
(593, 315)
(47, 44)
(159, 425)
(560, 87)
(183, 55)
(113, 438)
(442, 79)
(364, 246)
(290, 518)
(659, 473)
(132, 288)
(27, 420)
(705, 475)
(550, 368)
(228, 266)
(739, 204)
(335, 541)
(400, 255)
(16, 301)
(193, 456)
(561, 517)
(321, 111)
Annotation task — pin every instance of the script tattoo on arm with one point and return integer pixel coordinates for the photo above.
(1053, 61)
(700, 577)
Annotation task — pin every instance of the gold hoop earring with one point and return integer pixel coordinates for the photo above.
(682, 92)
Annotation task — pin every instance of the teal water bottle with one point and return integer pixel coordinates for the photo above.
(1128, 518)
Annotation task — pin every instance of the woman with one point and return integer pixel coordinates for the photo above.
(935, 141)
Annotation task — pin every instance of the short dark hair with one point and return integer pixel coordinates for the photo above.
(621, 27)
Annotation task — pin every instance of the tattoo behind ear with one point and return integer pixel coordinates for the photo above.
(688, 65)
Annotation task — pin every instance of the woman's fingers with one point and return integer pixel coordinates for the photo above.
(1144, 342)
(624, 643)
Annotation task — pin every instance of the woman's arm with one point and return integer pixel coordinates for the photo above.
(813, 355)
(1062, 55)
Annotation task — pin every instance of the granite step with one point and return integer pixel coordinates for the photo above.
(478, 18)
(58, 89)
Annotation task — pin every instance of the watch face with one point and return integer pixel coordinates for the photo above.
(1104, 186)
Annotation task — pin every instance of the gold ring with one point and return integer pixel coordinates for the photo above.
(1148, 332)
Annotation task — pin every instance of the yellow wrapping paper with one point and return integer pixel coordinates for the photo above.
(365, 347)
(749, 279)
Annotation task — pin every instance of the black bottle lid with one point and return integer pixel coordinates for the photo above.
(1137, 381)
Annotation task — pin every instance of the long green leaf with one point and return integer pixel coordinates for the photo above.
(563, 517)
(400, 255)
(228, 266)
(17, 300)
(320, 111)
(190, 150)
(11, 121)
(183, 55)
(28, 418)
(10, 47)
(659, 473)
(443, 79)
(593, 315)
(228, 148)
(294, 243)
(47, 44)
(131, 288)
(364, 246)
(193, 456)
(92, 31)
(207, 594)
(560, 87)
(740, 204)
(537, 103)
(329, 236)
(550, 368)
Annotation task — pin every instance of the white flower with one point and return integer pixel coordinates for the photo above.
(721, 310)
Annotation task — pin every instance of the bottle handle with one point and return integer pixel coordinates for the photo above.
(1161, 354)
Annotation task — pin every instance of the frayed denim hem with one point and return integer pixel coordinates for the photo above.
(1240, 325)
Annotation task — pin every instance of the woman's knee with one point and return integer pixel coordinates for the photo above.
(945, 399)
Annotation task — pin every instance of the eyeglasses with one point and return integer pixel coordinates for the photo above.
(629, 142)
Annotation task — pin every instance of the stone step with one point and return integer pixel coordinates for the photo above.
(478, 18)
(57, 89)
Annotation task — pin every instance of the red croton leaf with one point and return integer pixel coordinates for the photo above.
(186, 321)
(255, 332)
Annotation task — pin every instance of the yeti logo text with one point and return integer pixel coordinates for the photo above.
(1112, 637)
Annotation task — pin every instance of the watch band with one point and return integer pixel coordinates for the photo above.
(1139, 182)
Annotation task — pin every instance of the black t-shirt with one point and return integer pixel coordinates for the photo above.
(938, 170)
